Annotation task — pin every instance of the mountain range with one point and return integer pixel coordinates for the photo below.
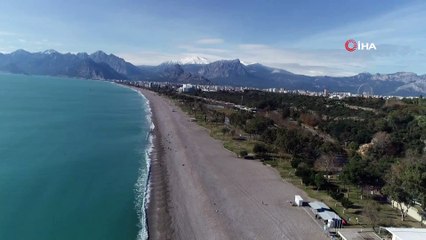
(198, 70)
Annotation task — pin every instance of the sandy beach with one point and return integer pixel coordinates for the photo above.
(200, 190)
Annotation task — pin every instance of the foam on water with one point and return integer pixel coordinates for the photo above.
(142, 186)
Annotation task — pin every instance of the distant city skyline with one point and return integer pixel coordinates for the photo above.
(304, 37)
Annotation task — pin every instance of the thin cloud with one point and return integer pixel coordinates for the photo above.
(398, 27)
(4, 33)
(396, 35)
(308, 62)
(302, 61)
(191, 48)
(400, 47)
(210, 41)
(315, 70)
(251, 46)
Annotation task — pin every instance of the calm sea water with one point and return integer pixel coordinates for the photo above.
(73, 159)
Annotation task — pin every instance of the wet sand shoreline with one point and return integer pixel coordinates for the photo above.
(158, 216)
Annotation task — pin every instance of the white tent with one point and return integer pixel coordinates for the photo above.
(322, 211)
(407, 233)
(333, 220)
(298, 200)
(318, 206)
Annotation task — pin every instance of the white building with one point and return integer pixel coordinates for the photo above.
(186, 88)
(407, 233)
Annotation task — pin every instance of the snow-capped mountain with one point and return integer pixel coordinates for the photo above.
(406, 77)
(202, 60)
(200, 70)
(247, 63)
(193, 60)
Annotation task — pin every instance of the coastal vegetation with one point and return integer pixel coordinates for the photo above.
(356, 154)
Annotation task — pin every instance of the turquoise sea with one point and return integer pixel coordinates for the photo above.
(73, 159)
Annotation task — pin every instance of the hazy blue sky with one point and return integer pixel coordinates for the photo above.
(301, 36)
